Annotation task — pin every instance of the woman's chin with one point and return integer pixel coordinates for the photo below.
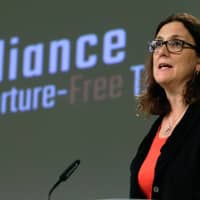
(164, 82)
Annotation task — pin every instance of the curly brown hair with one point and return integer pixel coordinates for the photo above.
(153, 99)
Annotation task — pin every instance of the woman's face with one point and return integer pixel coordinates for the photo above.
(173, 70)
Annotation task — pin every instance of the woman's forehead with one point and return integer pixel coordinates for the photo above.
(174, 30)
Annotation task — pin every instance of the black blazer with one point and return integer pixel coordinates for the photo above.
(177, 172)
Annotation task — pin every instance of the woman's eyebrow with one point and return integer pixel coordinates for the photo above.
(171, 37)
(159, 38)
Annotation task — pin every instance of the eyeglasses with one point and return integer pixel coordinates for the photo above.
(173, 46)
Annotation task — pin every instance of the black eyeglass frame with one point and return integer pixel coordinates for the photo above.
(182, 42)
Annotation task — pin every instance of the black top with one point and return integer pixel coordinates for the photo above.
(177, 172)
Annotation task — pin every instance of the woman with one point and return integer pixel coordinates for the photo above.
(167, 163)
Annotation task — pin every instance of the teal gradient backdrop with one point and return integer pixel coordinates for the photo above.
(99, 126)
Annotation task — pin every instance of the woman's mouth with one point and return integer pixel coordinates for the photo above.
(164, 66)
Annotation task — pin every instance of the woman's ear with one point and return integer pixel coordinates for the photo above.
(198, 65)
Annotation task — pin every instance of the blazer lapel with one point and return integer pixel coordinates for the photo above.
(176, 141)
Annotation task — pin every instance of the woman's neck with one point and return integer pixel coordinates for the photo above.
(176, 101)
(178, 109)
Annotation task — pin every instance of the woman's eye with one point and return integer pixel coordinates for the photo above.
(176, 43)
(158, 44)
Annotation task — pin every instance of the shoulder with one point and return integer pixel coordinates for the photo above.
(193, 112)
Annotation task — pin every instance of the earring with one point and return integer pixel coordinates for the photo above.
(197, 72)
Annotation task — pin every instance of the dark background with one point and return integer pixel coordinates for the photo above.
(36, 146)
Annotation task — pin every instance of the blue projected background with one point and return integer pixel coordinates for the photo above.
(70, 72)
